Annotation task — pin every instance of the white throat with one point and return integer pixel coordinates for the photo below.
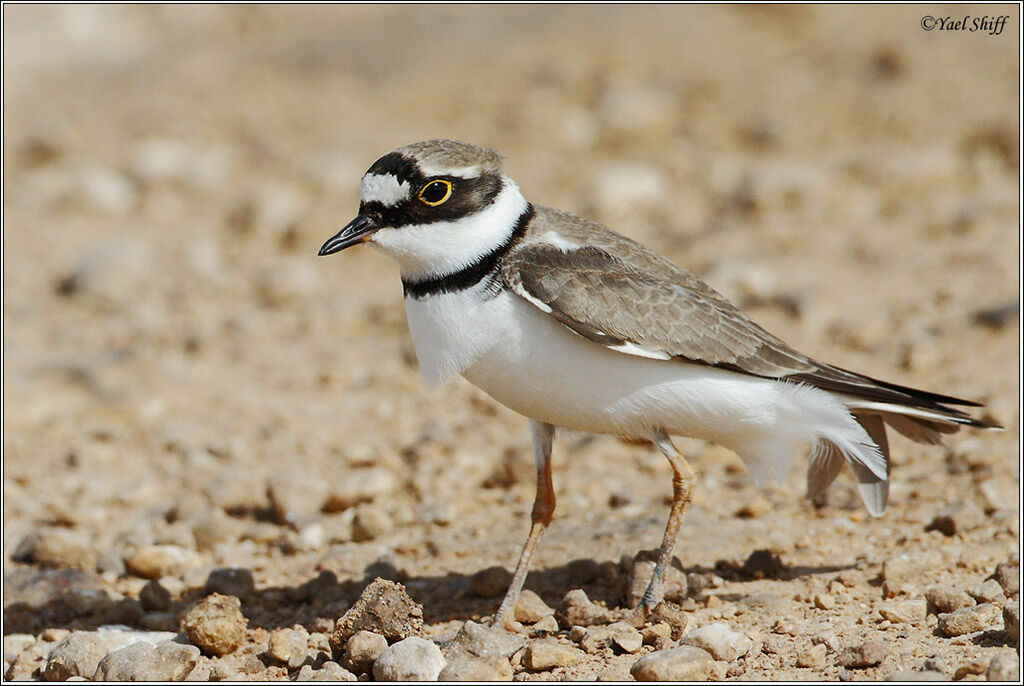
(430, 250)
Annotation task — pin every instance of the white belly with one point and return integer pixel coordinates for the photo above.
(529, 362)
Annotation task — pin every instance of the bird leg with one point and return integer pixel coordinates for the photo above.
(683, 479)
(543, 508)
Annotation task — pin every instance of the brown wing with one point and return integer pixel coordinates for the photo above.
(660, 310)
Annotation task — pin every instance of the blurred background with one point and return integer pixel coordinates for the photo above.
(181, 370)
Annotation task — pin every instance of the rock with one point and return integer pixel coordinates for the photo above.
(490, 583)
(812, 657)
(969, 620)
(479, 641)
(675, 583)
(900, 568)
(144, 662)
(154, 596)
(1007, 575)
(329, 671)
(530, 609)
(1004, 667)
(359, 486)
(411, 659)
(56, 547)
(370, 522)
(216, 624)
(685, 663)
(81, 651)
(946, 599)
(361, 649)
(867, 654)
(477, 669)
(673, 615)
(823, 601)
(288, 646)
(83, 600)
(543, 655)
(720, 641)
(911, 611)
(384, 608)
(548, 625)
(620, 634)
(957, 517)
(762, 564)
(578, 610)
(988, 591)
(1011, 621)
(14, 644)
(655, 633)
(235, 581)
(924, 675)
(155, 561)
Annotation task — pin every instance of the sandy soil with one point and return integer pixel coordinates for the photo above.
(180, 368)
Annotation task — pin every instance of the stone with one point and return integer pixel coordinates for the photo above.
(384, 608)
(477, 669)
(578, 610)
(329, 671)
(621, 634)
(655, 633)
(154, 596)
(234, 581)
(79, 653)
(288, 646)
(627, 639)
(946, 599)
(543, 655)
(361, 649)
(969, 620)
(411, 659)
(56, 547)
(823, 601)
(912, 611)
(685, 663)
(530, 608)
(155, 561)
(26, 665)
(673, 615)
(988, 591)
(479, 641)
(490, 583)
(370, 522)
(762, 564)
(1011, 621)
(1004, 667)
(216, 624)
(812, 657)
(144, 662)
(1007, 575)
(547, 625)
(900, 568)
(720, 641)
(957, 517)
(867, 654)
(14, 644)
(675, 583)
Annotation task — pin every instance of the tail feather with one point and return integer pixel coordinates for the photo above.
(871, 469)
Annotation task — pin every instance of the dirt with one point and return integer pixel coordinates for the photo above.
(187, 384)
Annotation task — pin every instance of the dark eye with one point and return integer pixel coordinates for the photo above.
(436, 192)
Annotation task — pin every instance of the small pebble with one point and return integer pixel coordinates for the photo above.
(547, 625)
(370, 522)
(288, 646)
(578, 610)
(477, 669)
(1004, 667)
(548, 654)
(411, 659)
(674, 583)
(924, 675)
(911, 611)
(1007, 575)
(988, 591)
(973, 668)
(155, 561)
(142, 661)
(216, 624)
(946, 599)
(362, 649)
(812, 657)
(720, 641)
(329, 671)
(486, 642)
(530, 608)
(968, 620)
(867, 654)
(685, 663)
(957, 517)
(154, 596)
(1011, 621)
(235, 581)
(673, 615)
(385, 608)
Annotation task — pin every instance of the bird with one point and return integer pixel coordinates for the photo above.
(577, 327)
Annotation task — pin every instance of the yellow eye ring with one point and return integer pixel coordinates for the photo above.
(435, 192)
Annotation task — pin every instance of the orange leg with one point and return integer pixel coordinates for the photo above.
(683, 479)
(543, 509)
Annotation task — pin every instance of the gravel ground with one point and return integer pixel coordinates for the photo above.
(215, 441)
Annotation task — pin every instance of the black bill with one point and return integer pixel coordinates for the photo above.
(356, 231)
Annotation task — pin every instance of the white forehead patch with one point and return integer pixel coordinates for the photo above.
(470, 172)
(384, 188)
